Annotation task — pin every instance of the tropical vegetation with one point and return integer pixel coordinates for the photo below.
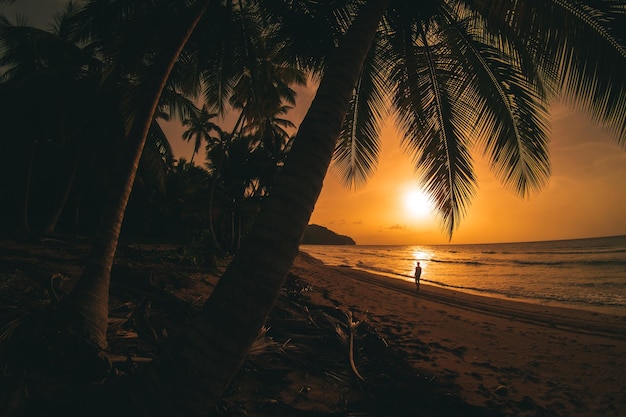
(456, 75)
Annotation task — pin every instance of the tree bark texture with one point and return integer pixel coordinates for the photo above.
(200, 365)
(86, 308)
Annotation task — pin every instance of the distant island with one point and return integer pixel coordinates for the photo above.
(319, 235)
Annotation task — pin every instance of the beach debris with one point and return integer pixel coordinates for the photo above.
(353, 325)
(56, 287)
(265, 344)
(502, 390)
(345, 331)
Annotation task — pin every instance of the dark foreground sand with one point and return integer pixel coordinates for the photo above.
(503, 357)
(521, 359)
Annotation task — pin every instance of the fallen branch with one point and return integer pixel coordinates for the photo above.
(352, 325)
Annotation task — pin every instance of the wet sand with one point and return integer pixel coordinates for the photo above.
(518, 358)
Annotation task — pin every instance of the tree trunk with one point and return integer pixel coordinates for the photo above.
(77, 218)
(197, 368)
(86, 308)
(238, 219)
(216, 243)
(231, 224)
(24, 221)
(55, 214)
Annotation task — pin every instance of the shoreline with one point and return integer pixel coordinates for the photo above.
(553, 316)
(610, 310)
(582, 274)
(519, 358)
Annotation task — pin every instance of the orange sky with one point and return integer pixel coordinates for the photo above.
(586, 195)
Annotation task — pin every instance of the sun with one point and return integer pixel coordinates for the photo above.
(417, 203)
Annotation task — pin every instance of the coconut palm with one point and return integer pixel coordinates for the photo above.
(200, 128)
(53, 66)
(86, 308)
(245, 167)
(149, 57)
(64, 69)
(460, 74)
(266, 81)
(269, 130)
(259, 87)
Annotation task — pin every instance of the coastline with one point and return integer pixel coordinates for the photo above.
(493, 296)
(518, 358)
(579, 274)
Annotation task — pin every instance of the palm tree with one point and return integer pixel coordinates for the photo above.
(461, 74)
(55, 67)
(185, 201)
(266, 81)
(215, 342)
(86, 308)
(246, 165)
(230, 163)
(258, 88)
(64, 69)
(200, 128)
(269, 130)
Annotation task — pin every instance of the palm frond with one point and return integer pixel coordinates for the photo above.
(580, 45)
(310, 28)
(28, 51)
(358, 147)
(156, 158)
(509, 110)
(200, 128)
(435, 126)
(216, 53)
(176, 104)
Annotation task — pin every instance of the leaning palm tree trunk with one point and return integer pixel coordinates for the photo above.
(86, 308)
(199, 366)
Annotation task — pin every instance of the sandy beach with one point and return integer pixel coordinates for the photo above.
(501, 357)
(517, 358)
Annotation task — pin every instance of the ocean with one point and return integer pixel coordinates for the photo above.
(587, 274)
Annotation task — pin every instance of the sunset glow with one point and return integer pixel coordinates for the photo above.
(582, 198)
(417, 204)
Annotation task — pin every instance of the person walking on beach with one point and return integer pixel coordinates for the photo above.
(418, 274)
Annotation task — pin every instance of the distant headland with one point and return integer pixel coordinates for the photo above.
(319, 235)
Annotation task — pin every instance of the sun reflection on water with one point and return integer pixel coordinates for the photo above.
(423, 257)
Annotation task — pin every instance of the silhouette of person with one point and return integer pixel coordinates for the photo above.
(418, 274)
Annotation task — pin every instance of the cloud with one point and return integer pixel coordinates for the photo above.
(397, 227)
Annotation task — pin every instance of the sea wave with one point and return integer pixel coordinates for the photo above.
(578, 273)
(578, 252)
(385, 271)
(459, 261)
(524, 262)
(613, 300)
